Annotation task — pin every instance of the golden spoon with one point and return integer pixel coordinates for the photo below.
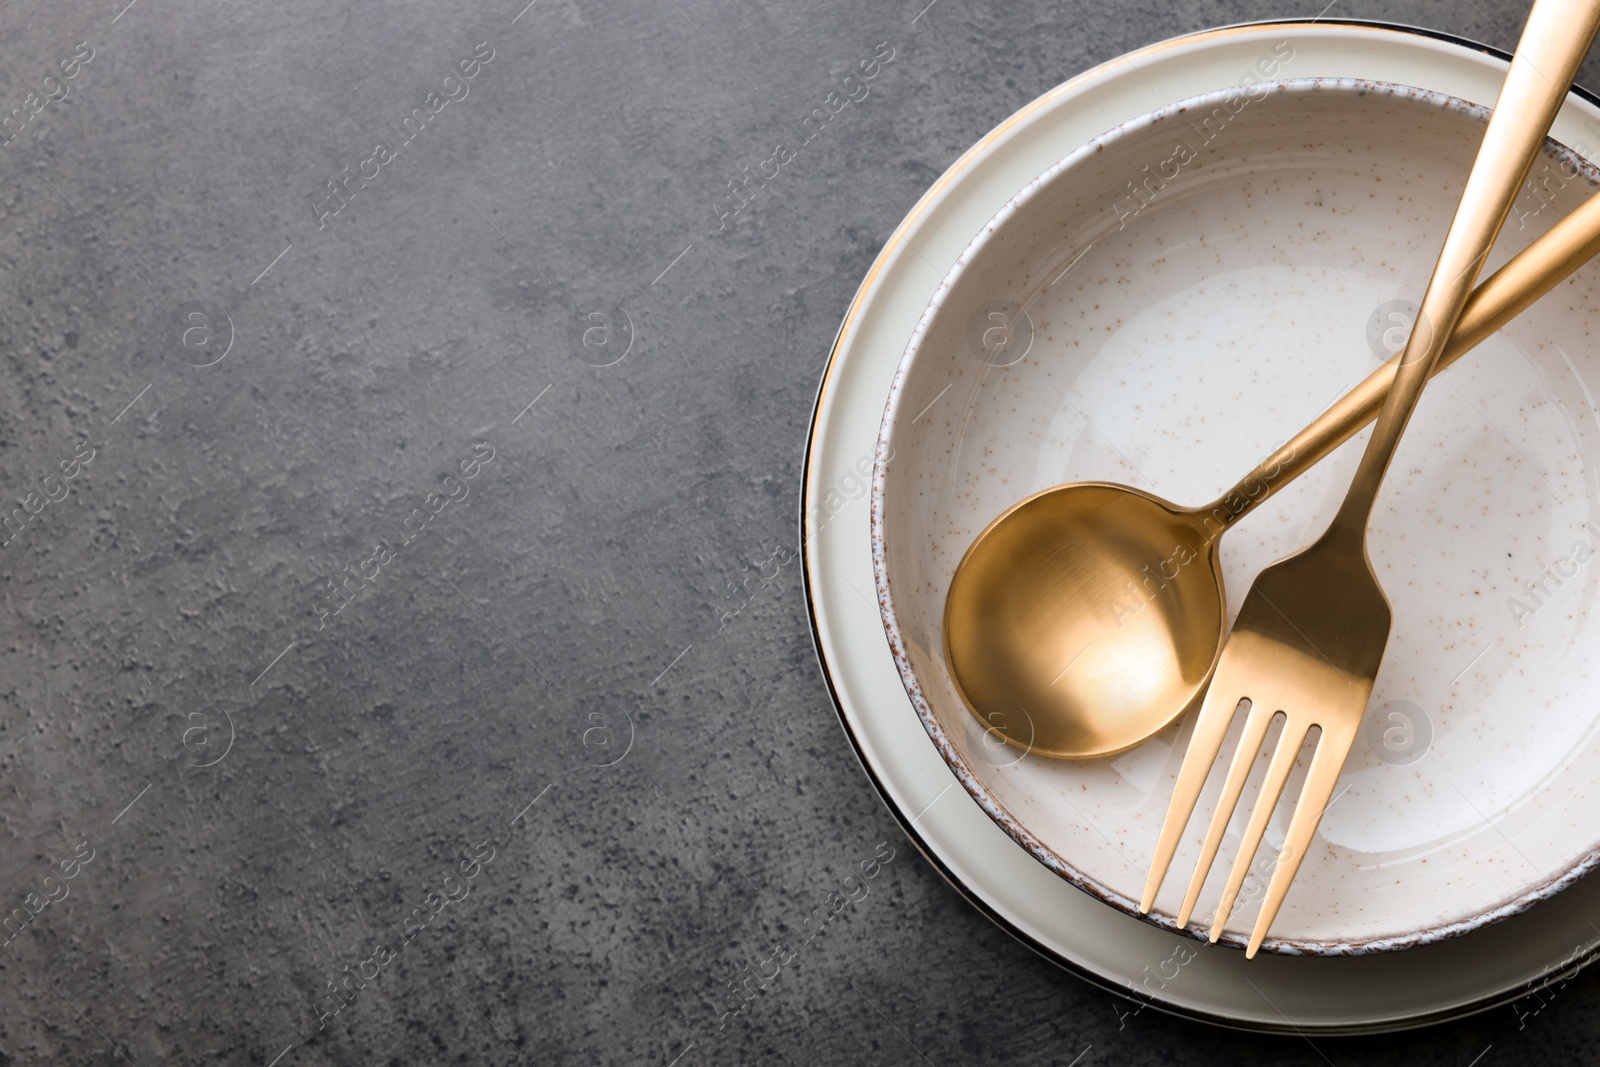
(1089, 616)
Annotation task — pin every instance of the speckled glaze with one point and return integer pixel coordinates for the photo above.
(1174, 343)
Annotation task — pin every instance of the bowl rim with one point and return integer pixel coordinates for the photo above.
(898, 642)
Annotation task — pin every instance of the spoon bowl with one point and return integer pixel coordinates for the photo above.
(1086, 616)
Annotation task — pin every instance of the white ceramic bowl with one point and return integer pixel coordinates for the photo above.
(1184, 319)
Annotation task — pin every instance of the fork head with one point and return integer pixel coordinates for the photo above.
(1306, 645)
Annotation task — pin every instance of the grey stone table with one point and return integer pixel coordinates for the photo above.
(339, 574)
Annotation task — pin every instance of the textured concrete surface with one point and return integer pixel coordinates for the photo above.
(299, 705)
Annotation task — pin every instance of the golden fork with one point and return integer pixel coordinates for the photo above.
(1311, 633)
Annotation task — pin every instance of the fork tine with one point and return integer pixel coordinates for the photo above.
(1204, 744)
(1283, 758)
(1244, 757)
(1326, 762)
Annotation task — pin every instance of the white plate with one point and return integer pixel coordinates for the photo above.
(1309, 994)
(1169, 345)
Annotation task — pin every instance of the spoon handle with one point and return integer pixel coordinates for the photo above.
(1532, 273)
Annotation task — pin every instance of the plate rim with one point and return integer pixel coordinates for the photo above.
(809, 478)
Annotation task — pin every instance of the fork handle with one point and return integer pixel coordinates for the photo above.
(1553, 44)
(1532, 273)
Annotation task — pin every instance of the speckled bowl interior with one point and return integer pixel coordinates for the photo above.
(1200, 283)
